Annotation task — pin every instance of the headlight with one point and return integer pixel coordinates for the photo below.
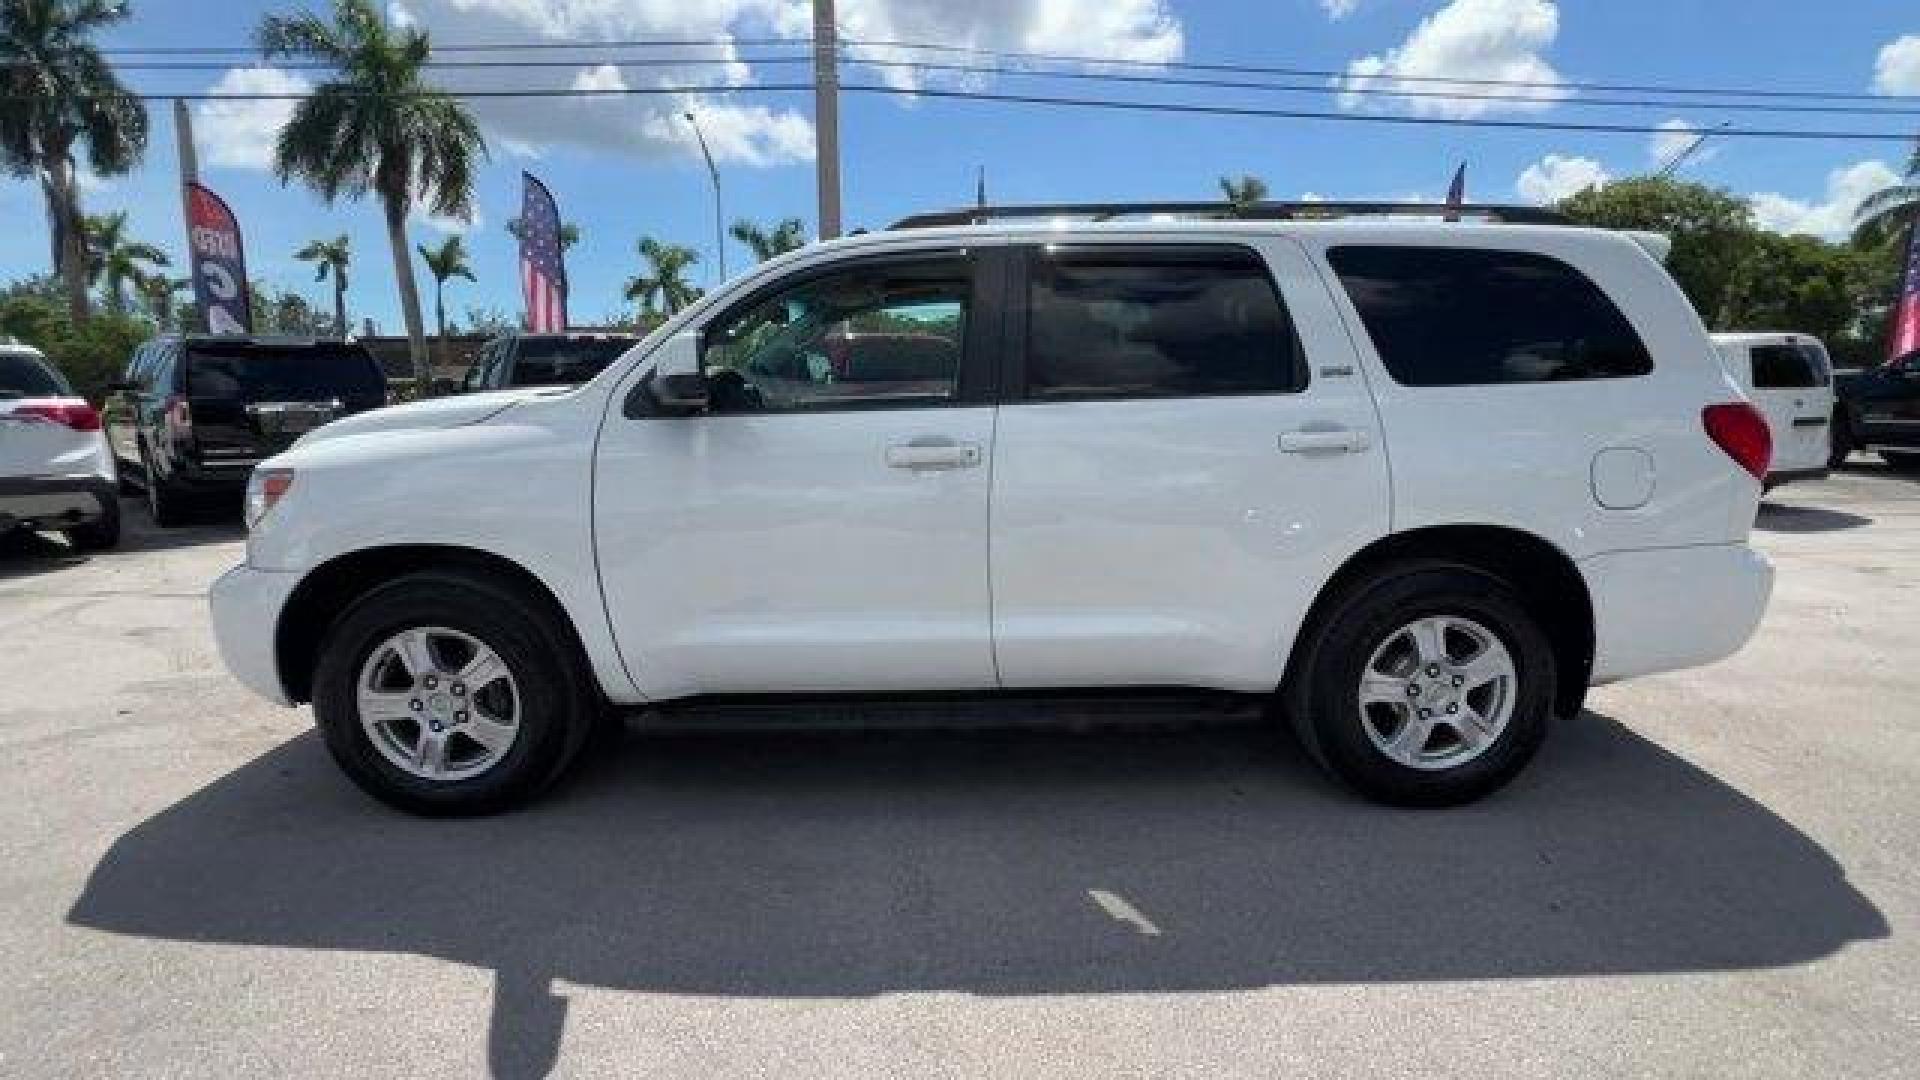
(265, 489)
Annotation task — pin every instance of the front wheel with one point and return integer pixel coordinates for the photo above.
(445, 694)
(1840, 440)
(1429, 685)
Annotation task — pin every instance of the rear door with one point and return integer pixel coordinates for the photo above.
(31, 444)
(1791, 384)
(251, 400)
(1185, 452)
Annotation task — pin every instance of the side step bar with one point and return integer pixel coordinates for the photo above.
(1073, 710)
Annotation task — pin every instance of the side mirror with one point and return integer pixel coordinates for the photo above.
(675, 386)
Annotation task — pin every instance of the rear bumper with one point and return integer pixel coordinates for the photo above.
(54, 502)
(246, 605)
(1671, 608)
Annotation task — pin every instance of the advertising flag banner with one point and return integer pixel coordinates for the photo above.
(1905, 339)
(543, 272)
(219, 264)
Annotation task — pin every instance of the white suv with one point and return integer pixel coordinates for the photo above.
(1417, 485)
(56, 473)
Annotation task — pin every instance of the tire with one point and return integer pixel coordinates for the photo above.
(165, 506)
(1840, 441)
(101, 534)
(1903, 460)
(1370, 624)
(544, 682)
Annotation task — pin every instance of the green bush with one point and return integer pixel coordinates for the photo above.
(90, 357)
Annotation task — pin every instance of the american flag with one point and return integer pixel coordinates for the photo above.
(1905, 339)
(543, 273)
(1457, 193)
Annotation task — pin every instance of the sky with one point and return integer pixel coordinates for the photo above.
(623, 167)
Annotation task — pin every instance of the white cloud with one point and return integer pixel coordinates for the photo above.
(241, 134)
(737, 129)
(1674, 136)
(1556, 176)
(1466, 39)
(1897, 69)
(449, 226)
(1832, 217)
(1339, 9)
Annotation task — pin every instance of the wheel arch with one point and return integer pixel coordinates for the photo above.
(332, 587)
(1545, 577)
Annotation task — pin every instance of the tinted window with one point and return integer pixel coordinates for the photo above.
(1170, 323)
(283, 373)
(1776, 366)
(1460, 316)
(560, 362)
(884, 334)
(26, 376)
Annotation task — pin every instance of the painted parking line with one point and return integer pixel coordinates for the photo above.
(1121, 911)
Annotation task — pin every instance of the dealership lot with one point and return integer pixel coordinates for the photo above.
(1708, 873)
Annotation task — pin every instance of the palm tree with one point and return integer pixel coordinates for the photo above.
(790, 234)
(158, 291)
(569, 233)
(378, 127)
(666, 277)
(330, 257)
(1242, 193)
(449, 260)
(116, 260)
(1887, 214)
(57, 94)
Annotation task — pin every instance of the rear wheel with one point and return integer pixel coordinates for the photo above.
(446, 694)
(100, 534)
(164, 505)
(1429, 685)
(1840, 441)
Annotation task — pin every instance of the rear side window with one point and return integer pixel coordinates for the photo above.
(26, 377)
(316, 372)
(1787, 365)
(1157, 322)
(1466, 316)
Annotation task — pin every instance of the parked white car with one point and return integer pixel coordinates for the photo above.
(1790, 378)
(56, 474)
(1416, 485)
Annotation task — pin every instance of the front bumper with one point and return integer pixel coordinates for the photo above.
(246, 604)
(54, 502)
(1671, 608)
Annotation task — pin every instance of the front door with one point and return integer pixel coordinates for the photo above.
(1174, 475)
(822, 526)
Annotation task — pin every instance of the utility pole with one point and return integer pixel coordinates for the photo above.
(826, 118)
(719, 234)
(189, 175)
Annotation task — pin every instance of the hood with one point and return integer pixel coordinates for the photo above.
(445, 412)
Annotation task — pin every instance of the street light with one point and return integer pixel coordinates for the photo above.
(719, 235)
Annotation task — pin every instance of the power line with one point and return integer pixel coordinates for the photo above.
(1104, 77)
(1076, 59)
(1184, 108)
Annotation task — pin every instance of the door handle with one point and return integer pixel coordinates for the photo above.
(933, 454)
(1324, 441)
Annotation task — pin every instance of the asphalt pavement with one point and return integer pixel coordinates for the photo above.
(1709, 873)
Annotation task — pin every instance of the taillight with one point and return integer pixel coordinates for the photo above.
(1739, 429)
(179, 415)
(77, 415)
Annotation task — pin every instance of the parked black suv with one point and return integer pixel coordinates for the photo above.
(1879, 407)
(193, 414)
(543, 359)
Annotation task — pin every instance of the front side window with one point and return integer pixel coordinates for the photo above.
(883, 334)
(1469, 316)
(1129, 323)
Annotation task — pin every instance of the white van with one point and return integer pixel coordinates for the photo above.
(1791, 379)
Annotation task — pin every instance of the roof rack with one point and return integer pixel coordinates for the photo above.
(1259, 211)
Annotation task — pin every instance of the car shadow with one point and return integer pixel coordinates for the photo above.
(1798, 518)
(837, 865)
(26, 553)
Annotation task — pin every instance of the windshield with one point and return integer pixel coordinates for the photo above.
(26, 376)
(314, 372)
(560, 361)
